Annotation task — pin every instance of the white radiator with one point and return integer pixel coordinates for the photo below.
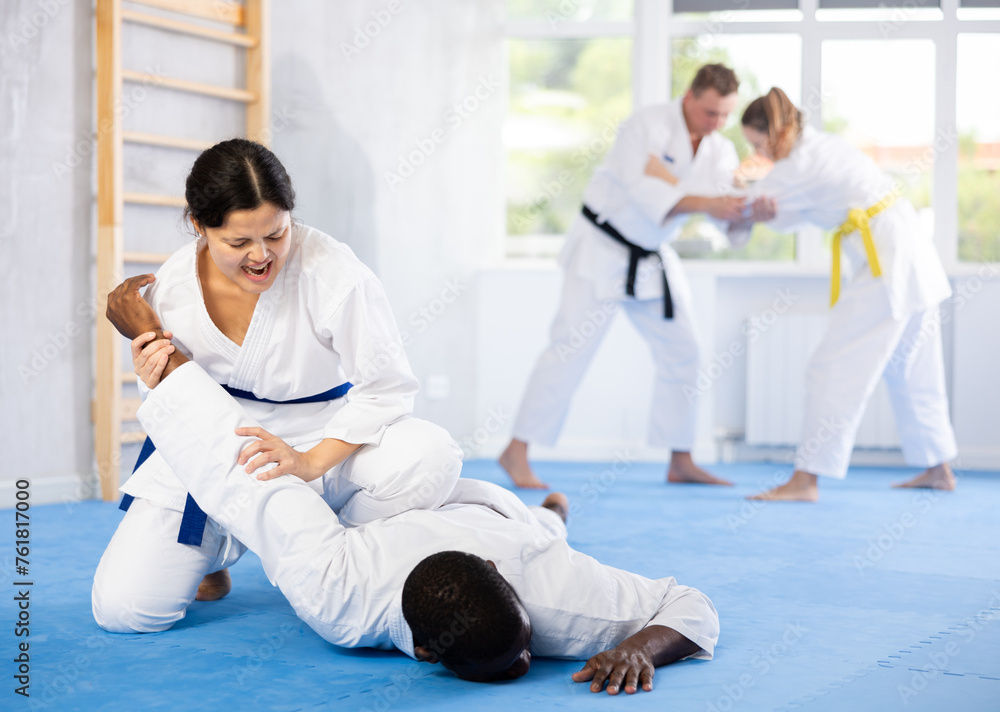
(776, 379)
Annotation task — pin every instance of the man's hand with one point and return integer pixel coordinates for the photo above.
(629, 663)
(271, 448)
(726, 207)
(632, 662)
(129, 312)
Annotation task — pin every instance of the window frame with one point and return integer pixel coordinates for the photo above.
(654, 27)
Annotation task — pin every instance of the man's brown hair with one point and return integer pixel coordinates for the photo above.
(715, 76)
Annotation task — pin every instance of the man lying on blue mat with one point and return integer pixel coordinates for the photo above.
(480, 585)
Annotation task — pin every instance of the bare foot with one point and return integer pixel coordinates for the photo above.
(939, 477)
(214, 586)
(802, 487)
(515, 461)
(558, 503)
(684, 471)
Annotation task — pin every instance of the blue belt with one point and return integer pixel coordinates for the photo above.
(194, 518)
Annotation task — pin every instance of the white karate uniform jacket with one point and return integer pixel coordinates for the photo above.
(881, 327)
(347, 583)
(637, 205)
(824, 177)
(326, 320)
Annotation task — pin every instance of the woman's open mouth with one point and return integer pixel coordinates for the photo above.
(258, 274)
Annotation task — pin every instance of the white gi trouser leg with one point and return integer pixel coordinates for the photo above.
(860, 341)
(146, 580)
(578, 329)
(300, 541)
(414, 466)
(676, 353)
(916, 381)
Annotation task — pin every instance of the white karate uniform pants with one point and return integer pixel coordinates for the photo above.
(578, 329)
(146, 580)
(863, 343)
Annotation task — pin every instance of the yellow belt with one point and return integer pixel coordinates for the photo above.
(857, 219)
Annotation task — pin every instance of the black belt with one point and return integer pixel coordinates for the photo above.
(636, 253)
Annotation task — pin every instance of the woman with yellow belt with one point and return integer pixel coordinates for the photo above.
(883, 321)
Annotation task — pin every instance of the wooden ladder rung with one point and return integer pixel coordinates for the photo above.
(226, 12)
(169, 201)
(129, 408)
(148, 139)
(235, 38)
(145, 258)
(236, 24)
(231, 93)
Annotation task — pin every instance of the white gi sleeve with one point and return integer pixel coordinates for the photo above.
(789, 186)
(721, 183)
(690, 612)
(580, 607)
(363, 332)
(652, 197)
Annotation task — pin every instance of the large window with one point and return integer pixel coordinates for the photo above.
(889, 113)
(567, 98)
(978, 89)
(884, 74)
(569, 86)
(557, 11)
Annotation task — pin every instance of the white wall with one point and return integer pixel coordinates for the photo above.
(976, 359)
(361, 119)
(45, 240)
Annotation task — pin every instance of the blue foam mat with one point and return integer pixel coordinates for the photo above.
(872, 599)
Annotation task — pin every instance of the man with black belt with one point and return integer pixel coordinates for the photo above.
(668, 161)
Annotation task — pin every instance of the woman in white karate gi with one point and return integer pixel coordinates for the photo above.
(292, 324)
(884, 320)
(667, 161)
